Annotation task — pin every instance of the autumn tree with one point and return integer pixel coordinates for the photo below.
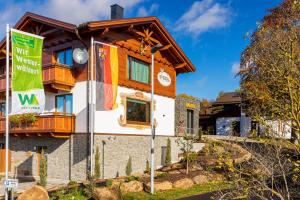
(270, 68)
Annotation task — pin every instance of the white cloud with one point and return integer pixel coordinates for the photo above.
(75, 11)
(204, 16)
(235, 68)
(142, 11)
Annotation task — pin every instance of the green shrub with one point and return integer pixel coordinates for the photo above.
(97, 163)
(90, 187)
(22, 119)
(129, 167)
(200, 133)
(168, 154)
(161, 175)
(72, 183)
(147, 167)
(133, 178)
(43, 169)
(108, 182)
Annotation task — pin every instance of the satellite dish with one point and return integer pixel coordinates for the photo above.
(80, 56)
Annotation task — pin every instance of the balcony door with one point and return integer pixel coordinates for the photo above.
(64, 103)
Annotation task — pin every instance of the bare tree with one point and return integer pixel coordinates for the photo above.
(272, 173)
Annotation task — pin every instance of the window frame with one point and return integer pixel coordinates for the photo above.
(132, 122)
(129, 75)
(2, 114)
(64, 105)
(65, 56)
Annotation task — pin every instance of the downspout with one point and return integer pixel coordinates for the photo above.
(87, 99)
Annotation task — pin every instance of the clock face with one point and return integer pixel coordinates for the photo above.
(80, 56)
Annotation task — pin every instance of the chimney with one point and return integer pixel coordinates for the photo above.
(116, 12)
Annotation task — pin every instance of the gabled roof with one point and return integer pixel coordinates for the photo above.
(153, 21)
(229, 98)
(184, 66)
(28, 16)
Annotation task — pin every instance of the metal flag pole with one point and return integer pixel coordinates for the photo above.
(92, 105)
(152, 125)
(153, 51)
(6, 109)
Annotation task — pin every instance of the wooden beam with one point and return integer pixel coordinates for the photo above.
(181, 65)
(106, 30)
(130, 28)
(144, 35)
(4, 51)
(166, 47)
(49, 32)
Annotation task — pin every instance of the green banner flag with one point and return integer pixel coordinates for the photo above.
(28, 94)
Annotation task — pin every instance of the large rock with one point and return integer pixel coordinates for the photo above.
(216, 177)
(117, 182)
(159, 186)
(200, 179)
(132, 186)
(107, 193)
(36, 193)
(183, 183)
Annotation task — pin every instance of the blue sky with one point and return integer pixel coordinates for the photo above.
(211, 32)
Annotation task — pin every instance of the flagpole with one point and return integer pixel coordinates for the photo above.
(6, 109)
(92, 105)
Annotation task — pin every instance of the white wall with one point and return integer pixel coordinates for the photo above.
(223, 125)
(108, 121)
(279, 129)
(80, 106)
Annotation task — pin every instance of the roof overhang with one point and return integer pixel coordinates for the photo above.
(184, 66)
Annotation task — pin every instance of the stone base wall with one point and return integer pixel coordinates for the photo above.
(68, 158)
(115, 152)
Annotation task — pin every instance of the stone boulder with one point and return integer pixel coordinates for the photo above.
(216, 177)
(117, 182)
(200, 179)
(36, 193)
(132, 186)
(183, 183)
(159, 186)
(107, 193)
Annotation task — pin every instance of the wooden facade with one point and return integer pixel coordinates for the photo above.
(134, 37)
(51, 123)
(55, 75)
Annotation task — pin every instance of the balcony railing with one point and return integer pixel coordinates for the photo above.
(51, 123)
(56, 75)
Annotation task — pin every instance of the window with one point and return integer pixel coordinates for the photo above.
(2, 109)
(190, 121)
(138, 70)
(64, 103)
(65, 57)
(2, 70)
(137, 111)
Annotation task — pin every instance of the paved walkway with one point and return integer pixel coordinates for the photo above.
(26, 185)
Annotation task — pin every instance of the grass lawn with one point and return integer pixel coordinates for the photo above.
(179, 193)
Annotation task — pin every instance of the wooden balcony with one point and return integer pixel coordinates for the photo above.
(48, 124)
(57, 76)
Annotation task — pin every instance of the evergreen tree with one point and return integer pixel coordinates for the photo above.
(97, 163)
(129, 167)
(43, 169)
(168, 154)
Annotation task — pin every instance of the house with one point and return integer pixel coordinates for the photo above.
(187, 110)
(62, 131)
(225, 117)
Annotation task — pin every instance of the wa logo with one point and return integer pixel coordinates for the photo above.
(30, 100)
